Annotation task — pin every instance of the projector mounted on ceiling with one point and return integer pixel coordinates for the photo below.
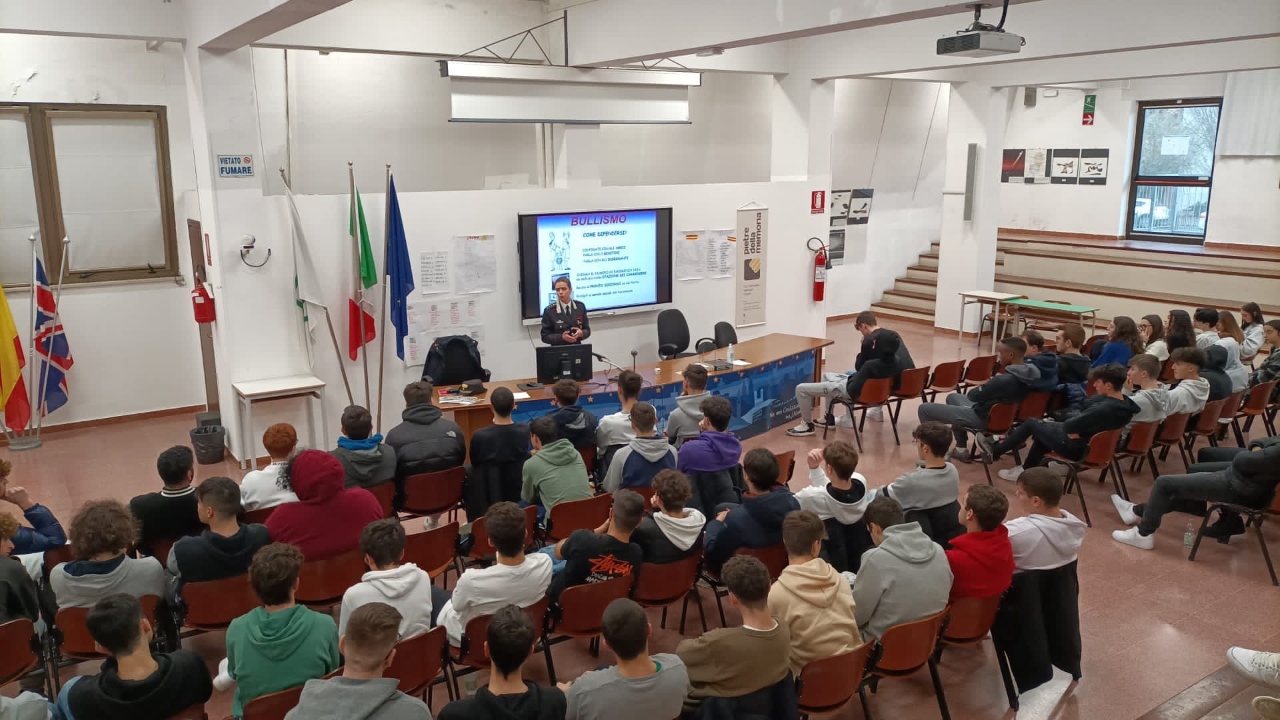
(981, 39)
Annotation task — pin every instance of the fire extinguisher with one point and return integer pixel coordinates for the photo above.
(821, 264)
(202, 304)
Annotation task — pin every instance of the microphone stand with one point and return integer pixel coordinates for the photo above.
(612, 365)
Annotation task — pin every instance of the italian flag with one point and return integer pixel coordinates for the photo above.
(357, 318)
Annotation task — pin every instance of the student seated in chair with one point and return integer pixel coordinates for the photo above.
(18, 592)
(1142, 386)
(715, 449)
(328, 518)
(132, 682)
(934, 482)
(515, 578)
(44, 532)
(170, 513)
(1107, 410)
(368, 648)
(508, 696)
(1191, 392)
(686, 420)
(1073, 365)
(641, 686)
(101, 534)
(281, 644)
(404, 586)
(556, 472)
(1123, 342)
(575, 424)
(981, 559)
(810, 597)
(366, 460)
(1046, 363)
(262, 488)
(757, 522)
(1205, 322)
(646, 455)
(615, 429)
(226, 547)
(904, 578)
(1214, 371)
(425, 441)
(505, 441)
(592, 556)
(671, 532)
(836, 490)
(1048, 537)
(734, 661)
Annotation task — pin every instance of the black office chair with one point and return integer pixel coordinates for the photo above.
(725, 334)
(673, 335)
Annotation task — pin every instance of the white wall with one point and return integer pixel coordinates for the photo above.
(1244, 206)
(135, 345)
(890, 137)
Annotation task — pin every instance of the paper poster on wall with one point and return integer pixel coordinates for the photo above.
(477, 263)
(839, 211)
(721, 250)
(1013, 165)
(1064, 168)
(752, 235)
(1037, 168)
(434, 268)
(430, 319)
(1093, 166)
(860, 206)
(690, 255)
(835, 246)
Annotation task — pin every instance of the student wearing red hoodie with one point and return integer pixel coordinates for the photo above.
(981, 559)
(327, 519)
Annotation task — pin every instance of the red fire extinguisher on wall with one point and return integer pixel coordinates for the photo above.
(202, 304)
(820, 266)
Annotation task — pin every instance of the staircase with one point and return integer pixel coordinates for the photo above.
(912, 297)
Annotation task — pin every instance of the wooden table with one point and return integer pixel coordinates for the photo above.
(983, 298)
(253, 391)
(762, 392)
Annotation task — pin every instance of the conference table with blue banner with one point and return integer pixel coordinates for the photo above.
(762, 392)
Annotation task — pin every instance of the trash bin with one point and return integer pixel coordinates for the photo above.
(210, 444)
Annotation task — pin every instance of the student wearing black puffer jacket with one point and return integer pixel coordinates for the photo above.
(968, 413)
(757, 522)
(425, 442)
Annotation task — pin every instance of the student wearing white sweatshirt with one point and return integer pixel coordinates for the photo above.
(1142, 386)
(672, 532)
(405, 587)
(1192, 391)
(840, 493)
(1048, 537)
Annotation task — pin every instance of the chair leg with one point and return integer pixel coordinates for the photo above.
(663, 624)
(720, 607)
(1007, 677)
(937, 688)
(546, 651)
(1151, 460)
(1204, 522)
(702, 616)
(866, 708)
(1117, 478)
(894, 421)
(1074, 476)
(857, 431)
(986, 467)
(1265, 554)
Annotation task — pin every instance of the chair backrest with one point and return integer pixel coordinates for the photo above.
(673, 332)
(213, 604)
(482, 546)
(585, 514)
(1231, 405)
(1001, 417)
(274, 706)
(1102, 448)
(1034, 405)
(1207, 422)
(876, 391)
(418, 660)
(980, 369)
(660, 584)
(259, 516)
(476, 633)
(582, 606)
(1142, 436)
(1088, 345)
(774, 558)
(786, 465)
(433, 550)
(712, 488)
(195, 712)
(947, 375)
(726, 334)
(54, 557)
(1173, 428)
(1166, 372)
(160, 549)
(646, 492)
(826, 684)
(705, 345)
(436, 492)
(16, 655)
(971, 619)
(385, 493)
(588, 453)
(912, 382)
(322, 582)
(908, 646)
(76, 640)
(1259, 395)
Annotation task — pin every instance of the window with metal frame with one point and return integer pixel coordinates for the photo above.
(1173, 156)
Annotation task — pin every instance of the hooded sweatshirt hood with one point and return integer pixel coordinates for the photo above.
(352, 699)
(1043, 542)
(1073, 368)
(316, 476)
(652, 449)
(538, 702)
(279, 634)
(559, 453)
(981, 563)
(180, 680)
(711, 451)
(907, 542)
(1189, 396)
(1047, 364)
(769, 509)
(814, 582)
(682, 532)
(395, 583)
(1026, 374)
(691, 405)
(1153, 404)
(639, 462)
(423, 414)
(367, 466)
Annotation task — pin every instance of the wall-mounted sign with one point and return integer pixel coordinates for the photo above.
(1090, 106)
(235, 166)
(818, 202)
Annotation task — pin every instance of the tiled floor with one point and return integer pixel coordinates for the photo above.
(1153, 624)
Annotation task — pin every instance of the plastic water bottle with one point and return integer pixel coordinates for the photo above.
(730, 355)
(1189, 536)
(469, 687)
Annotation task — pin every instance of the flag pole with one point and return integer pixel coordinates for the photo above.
(31, 351)
(57, 312)
(355, 236)
(382, 307)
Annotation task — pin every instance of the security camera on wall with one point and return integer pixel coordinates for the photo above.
(981, 39)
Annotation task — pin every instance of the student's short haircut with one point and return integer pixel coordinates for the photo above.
(115, 623)
(9, 524)
(510, 639)
(628, 510)
(417, 393)
(1148, 364)
(280, 439)
(695, 377)
(644, 417)
(1043, 483)
(672, 486)
(6, 467)
(748, 579)
(934, 435)
(383, 541)
(625, 628)
(1207, 315)
(842, 457)
(1033, 339)
(885, 512)
(357, 422)
(222, 494)
(503, 401)
(800, 530)
(761, 466)
(629, 384)
(1273, 324)
(101, 526)
(1190, 355)
(717, 411)
(174, 464)
(989, 506)
(545, 429)
(372, 633)
(566, 392)
(273, 572)
(1018, 345)
(866, 317)
(1112, 374)
(505, 522)
(1074, 334)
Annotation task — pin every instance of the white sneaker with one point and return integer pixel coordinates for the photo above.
(224, 682)
(1260, 667)
(432, 522)
(1134, 538)
(1011, 474)
(1125, 508)
(1268, 708)
(804, 429)
(876, 413)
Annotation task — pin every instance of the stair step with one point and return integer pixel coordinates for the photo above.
(917, 294)
(914, 301)
(1154, 298)
(918, 285)
(1177, 263)
(894, 310)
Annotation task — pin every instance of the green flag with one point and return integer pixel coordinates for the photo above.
(368, 271)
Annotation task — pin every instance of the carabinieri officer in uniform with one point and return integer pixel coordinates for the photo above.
(564, 322)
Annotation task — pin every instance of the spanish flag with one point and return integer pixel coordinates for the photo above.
(13, 390)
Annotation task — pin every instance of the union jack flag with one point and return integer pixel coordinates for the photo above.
(51, 345)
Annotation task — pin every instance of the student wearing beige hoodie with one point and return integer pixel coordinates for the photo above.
(810, 597)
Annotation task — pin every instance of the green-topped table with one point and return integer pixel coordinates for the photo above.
(1024, 306)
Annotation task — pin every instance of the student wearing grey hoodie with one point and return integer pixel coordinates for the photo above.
(905, 578)
(644, 456)
(1142, 386)
(1192, 391)
(685, 421)
(101, 534)
(934, 482)
(1048, 537)
(361, 693)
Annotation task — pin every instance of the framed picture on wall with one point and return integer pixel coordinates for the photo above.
(1064, 167)
(1013, 166)
(1093, 166)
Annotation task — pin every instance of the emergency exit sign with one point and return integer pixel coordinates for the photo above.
(235, 166)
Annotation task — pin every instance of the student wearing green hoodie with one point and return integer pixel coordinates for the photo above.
(556, 472)
(281, 644)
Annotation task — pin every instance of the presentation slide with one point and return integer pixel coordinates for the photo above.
(611, 258)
